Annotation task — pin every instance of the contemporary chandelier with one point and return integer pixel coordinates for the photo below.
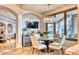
(49, 18)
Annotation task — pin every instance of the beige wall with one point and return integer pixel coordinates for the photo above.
(42, 27)
(34, 17)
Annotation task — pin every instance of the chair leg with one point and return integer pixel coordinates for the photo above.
(33, 50)
(38, 52)
(62, 51)
(54, 51)
(49, 50)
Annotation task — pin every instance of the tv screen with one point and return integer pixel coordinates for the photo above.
(32, 24)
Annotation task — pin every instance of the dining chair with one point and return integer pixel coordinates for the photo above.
(58, 45)
(38, 38)
(36, 44)
(56, 37)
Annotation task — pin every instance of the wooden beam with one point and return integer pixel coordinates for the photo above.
(46, 27)
(65, 32)
(63, 8)
(54, 27)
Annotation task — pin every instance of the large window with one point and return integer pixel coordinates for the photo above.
(60, 24)
(61, 27)
(50, 30)
(71, 23)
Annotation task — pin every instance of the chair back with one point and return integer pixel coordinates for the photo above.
(37, 36)
(62, 41)
(56, 35)
(34, 41)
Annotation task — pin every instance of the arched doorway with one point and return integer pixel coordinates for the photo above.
(7, 11)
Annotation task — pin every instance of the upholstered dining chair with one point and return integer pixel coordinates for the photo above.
(36, 44)
(38, 38)
(56, 37)
(58, 45)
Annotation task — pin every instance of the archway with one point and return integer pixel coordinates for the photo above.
(13, 13)
(31, 17)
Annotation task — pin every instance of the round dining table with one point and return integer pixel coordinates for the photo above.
(47, 42)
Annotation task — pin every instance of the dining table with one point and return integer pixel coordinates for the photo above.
(47, 42)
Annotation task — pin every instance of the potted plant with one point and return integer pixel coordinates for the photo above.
(24, 29)
(32, 33)
(41, 34)
(45, 33)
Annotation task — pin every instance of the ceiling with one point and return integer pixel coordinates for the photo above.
(7, 14)
(39, 8)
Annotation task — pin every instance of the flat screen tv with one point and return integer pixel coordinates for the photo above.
(33, 24)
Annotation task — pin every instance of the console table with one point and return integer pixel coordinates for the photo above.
(26, 40)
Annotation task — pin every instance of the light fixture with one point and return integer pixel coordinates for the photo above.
(48, 19)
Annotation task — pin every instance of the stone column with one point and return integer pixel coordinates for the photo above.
(19, 31)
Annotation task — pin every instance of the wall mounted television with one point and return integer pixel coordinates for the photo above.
(33, 24)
